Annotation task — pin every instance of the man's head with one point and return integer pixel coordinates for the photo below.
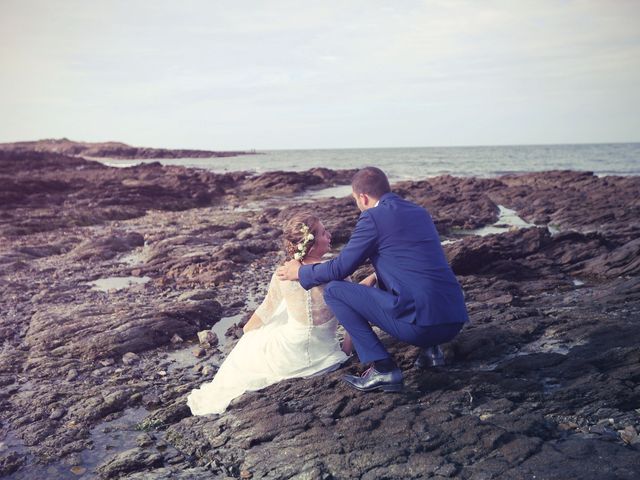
(369, 185)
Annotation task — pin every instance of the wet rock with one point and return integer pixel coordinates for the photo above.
(629, 435)
(197, 295)
(150, 400)
(108, 247)
(139, 329)
(129, 461)
(10, 462)
(116, 400)
(172, 473)
(476, 255)
(622, 261)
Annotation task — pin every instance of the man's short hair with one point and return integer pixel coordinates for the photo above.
(372, 181)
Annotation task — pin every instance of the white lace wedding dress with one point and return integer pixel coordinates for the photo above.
(298, 339)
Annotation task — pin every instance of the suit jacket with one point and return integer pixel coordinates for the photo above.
(401, 241)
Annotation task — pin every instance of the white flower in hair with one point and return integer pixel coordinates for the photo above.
(303, 245)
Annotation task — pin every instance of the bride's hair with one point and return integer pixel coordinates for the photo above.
(293, 234)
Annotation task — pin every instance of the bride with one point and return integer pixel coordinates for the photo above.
(291, 334)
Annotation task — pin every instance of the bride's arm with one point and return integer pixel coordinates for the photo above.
(369, 281)
(347, 344)
(267, 308)
(254, 322)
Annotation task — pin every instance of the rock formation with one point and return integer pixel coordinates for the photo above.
(543, 383)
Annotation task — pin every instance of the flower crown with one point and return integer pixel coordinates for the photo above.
(302, 246)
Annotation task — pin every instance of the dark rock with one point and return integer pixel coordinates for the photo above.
(129, 461)
(540, 383)
(10, 462)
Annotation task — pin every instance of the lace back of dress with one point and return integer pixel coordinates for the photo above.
(306, 306)
(319, 312)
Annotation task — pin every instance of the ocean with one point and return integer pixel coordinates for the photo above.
(424, 162)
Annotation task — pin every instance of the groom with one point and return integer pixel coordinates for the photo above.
(419, 301)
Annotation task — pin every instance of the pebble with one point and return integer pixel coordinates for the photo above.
(176, 339)
(199, 352)
(107, 362)
(57, 413)
(629, 435)
(150, 400)
(78, 470)
(207, 337)
(72, 375)
(206, 370)
(130, 358)
(245, 474)
(568, 426)
(144, 440)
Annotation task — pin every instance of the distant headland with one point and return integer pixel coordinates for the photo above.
(113, 150)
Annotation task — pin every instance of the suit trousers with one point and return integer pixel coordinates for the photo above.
(358, 307)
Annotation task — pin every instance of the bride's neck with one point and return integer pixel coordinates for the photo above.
(310, 260)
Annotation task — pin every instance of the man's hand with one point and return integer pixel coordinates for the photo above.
(289, 271)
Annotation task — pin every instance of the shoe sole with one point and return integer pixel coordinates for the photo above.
(384, 388)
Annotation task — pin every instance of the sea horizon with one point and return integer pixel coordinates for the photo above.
(403, 163)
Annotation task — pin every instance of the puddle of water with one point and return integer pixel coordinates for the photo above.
(339, 191)
(137, 256)
(109, 438)
(121, 164)
(553, 229)
(221, 327)
(112, 437)
(448, 242)
(184, 357)
(507, 220)
(116, 283)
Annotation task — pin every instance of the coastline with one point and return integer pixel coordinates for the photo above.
(541, 382)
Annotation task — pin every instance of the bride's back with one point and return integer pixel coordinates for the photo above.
(305, 306)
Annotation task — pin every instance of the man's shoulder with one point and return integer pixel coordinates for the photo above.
(394, 201)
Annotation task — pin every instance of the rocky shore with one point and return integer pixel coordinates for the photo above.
(108, 274)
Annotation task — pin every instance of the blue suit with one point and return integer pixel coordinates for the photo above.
(419, 300)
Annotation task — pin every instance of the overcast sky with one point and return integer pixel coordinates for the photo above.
(320, 74)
